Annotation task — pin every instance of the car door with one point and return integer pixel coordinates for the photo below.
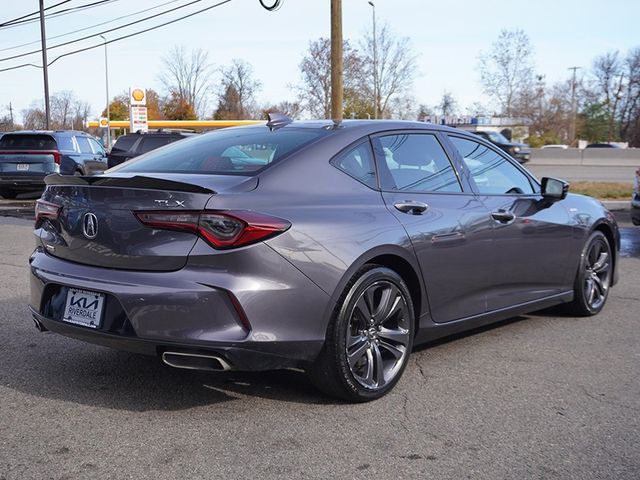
(448, 226)
(533, 237)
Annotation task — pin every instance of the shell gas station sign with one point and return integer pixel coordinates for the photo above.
(138, 121)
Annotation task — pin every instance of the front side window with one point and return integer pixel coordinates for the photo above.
(358, 162)
(491, 172)
(417, 163)
(241, 151)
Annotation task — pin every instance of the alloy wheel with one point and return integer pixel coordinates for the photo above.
(378, 335)
(597, 274)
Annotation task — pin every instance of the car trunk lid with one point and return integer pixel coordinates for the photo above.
(96, 224)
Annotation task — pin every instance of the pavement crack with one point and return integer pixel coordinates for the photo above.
(601, 398)
(421, 369)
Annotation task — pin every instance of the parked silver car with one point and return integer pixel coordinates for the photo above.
(330, 247)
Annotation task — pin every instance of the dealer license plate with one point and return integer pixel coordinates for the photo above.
(84, 308)
(22, 167)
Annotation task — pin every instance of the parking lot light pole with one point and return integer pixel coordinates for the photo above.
(375, 63)
(106, 82)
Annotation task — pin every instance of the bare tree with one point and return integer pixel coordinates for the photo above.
(239, 87)
(630, 111)
(448, 105)
(187, 76)
(609, 78)
(390, 68)
(62, 109)
(290, 109)
(34, 118)
(314, 87)
(506, 71)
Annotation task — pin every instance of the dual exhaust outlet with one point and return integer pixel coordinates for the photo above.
(195, 361)
(189, 361)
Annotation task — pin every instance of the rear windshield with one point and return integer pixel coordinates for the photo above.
(27, 142)
(242, 151)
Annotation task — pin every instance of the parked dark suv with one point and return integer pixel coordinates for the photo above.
(520, 151)
(26, 157)
(134, 144)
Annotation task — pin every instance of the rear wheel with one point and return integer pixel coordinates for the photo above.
(369, 338)
(593, 279)
(8, 193)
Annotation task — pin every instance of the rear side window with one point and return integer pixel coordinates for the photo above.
(28, 142)
(83, 143)
(241, 151)
(416, 163)
(65, 144)
(151, 143)
(124, 143)
(358, 162)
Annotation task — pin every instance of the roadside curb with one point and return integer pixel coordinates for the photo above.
(615, 205)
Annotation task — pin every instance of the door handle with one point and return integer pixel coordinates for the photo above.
(503, 216)
(411, 207)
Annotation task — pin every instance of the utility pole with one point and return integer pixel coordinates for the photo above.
(336, 60)
(572, 130)
(106, 81)
(11, 114)
(375, 63)
(43, 38)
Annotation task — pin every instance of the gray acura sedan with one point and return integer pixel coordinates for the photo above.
(331, 247)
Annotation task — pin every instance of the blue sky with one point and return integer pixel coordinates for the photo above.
(447, 36)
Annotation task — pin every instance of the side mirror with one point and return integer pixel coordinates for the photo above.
(553, 188)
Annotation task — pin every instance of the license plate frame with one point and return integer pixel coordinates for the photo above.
(84, 308)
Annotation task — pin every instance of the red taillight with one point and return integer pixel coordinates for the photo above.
(46, 209)
(57, 157)
(221, 229)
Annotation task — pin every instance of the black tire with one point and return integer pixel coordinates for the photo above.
(8, 193)
(593, 279)
(375, 339)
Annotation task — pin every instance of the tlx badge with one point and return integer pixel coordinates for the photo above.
(168, 203)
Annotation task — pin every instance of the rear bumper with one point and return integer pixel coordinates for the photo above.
(635, 210)
(23, 182)
(249, 356)
(256, 311)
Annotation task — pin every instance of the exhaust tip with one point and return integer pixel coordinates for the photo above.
(195, 361)
(39, 326)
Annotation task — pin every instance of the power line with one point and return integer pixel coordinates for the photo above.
(119, 38)
(90, 26)
(20, 55)
(32, 14)
(61, 13)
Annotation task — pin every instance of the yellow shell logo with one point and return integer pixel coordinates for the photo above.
(103, 122)
(137, 95)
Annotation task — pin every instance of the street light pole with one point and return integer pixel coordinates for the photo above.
(106, 81)
(336, 60)
(572, 132)
(43, 39)
(375, 63)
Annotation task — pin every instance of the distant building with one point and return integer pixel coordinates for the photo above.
(515, 129)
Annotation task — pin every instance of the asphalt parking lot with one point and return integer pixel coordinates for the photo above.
(542, 396)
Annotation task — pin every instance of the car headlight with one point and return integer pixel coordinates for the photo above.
(515, 149)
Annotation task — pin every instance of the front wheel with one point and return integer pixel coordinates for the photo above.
(369, 338)
(593, 279)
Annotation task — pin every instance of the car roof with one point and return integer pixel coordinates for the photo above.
(363, 127)
(48, 132)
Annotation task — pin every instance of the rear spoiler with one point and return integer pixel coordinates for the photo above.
(139, 181)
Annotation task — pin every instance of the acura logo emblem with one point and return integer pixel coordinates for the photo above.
(90, 225)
